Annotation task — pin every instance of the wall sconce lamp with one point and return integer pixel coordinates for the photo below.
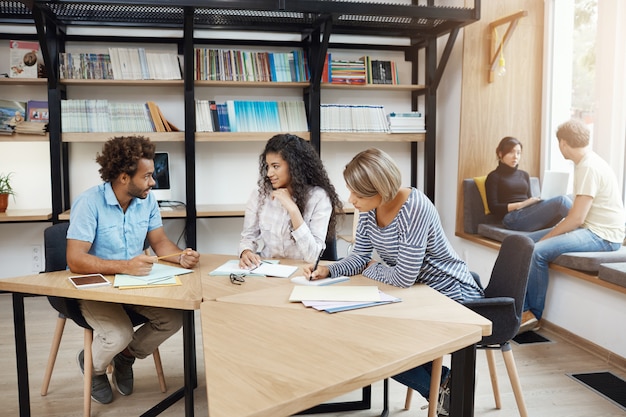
(496, 54)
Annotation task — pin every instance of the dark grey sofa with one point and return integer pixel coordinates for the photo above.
(476, 222)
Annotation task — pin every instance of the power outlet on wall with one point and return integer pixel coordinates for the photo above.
(36, 258)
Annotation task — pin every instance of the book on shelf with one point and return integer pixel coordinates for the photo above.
(85, 66)
(207, 119)
(142, 64)
(384, 72)
(266, 116)
(239, 65)
(408, 122)
(31, 128)
(353, 118)
(222, 114)
(11, 113)
(104, 116)
(24, 59)
(37, 111)
(364, 70)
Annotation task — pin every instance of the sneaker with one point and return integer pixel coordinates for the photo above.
(101, 391)
(529, 322)
(123, 373)
(443, 404)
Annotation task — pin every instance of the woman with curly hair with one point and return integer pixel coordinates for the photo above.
(294, 208)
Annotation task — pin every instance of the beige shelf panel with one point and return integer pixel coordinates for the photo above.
(242, 136)
(23, 81)
(104, 136)
(248, 84)
(20, 137)
(379, 87)
(137, 83)
(12, 215)
(372, 137)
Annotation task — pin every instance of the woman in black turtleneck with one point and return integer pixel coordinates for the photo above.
(509, 197)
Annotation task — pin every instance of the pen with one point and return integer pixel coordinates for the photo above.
(316, 263)
(262, 262)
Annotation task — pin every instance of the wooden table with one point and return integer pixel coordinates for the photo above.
(186, 297)
(266, 364)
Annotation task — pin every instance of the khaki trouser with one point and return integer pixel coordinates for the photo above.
(113, 330)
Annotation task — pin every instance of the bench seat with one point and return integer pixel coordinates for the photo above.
(614, 273)
(475, 221)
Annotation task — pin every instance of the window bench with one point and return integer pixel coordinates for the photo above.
(607, 269)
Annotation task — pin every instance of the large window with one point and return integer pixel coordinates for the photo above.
(585, 55)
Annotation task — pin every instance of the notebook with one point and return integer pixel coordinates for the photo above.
(554, 184)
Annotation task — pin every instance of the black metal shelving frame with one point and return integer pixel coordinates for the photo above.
(422, 23)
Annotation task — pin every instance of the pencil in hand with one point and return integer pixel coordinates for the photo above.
(171, 255)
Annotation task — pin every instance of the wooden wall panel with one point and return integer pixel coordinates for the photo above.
(509, 106)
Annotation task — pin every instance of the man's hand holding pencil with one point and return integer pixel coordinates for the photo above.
(187, 258)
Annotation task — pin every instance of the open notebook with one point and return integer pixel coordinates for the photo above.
(554, 184)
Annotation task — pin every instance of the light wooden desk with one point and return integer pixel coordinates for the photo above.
(268, 361)
(186, 297)
(421, 307)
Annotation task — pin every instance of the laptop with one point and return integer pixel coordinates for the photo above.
(554, 184)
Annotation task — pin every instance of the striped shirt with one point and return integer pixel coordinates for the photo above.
(413, 248)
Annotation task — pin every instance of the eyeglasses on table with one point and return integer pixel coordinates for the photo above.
(237, 279)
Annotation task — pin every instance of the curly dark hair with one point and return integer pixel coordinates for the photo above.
(121, 155)
(306, 170)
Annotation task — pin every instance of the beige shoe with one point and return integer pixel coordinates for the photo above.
(529, 322)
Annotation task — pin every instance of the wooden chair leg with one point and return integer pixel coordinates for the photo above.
(409, 396)
(435, 383)
(511, 369)
(491, 361)
(159, 369)
(88, 372)
(54, 350)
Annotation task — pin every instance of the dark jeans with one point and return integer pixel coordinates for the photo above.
(541, 215)
(419, 378)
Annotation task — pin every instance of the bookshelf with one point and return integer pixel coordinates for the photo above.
(312, 22)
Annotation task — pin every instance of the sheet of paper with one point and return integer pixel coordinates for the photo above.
(334, 293)
(275, 270)
(232, 267)
(300, 280)
(158, 273)
(130, 282)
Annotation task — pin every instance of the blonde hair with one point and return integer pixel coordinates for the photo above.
(373, 172)
(574, 132)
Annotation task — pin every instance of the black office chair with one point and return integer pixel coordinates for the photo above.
(55, 244)
(330, 252)
(502, 305)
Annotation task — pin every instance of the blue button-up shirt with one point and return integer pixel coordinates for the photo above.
(98, 218)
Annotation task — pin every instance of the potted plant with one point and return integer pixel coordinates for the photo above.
(5, 191)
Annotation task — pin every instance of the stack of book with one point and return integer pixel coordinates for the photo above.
(359, 72)
(353, 118)
(85, 66)
(409, 122)
(237, 65)
(120, 64)
(31, 128)
(102, 116)
(139, 64)
(251, 116)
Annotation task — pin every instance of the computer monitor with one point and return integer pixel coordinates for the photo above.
(161, 188)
